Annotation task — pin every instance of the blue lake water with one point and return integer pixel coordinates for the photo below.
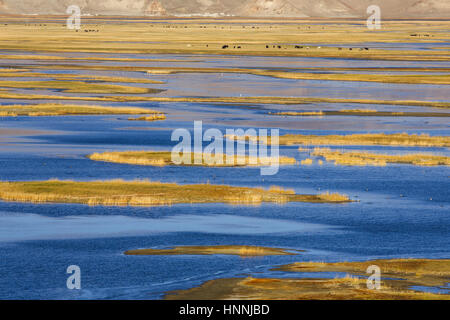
(401, 210)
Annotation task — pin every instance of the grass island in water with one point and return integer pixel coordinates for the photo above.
(147, 193)
(54, 109)
(360, 158)
(163, 158)
(399, 277)
(239, 250)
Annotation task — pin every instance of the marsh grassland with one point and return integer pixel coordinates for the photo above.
(360, 158)
(250, 37)
(238, 250)
(359, 113)
(207, 36)
(163, 158)
(51, 109)
(368, 139)
(228, 72)
(76, 86)
(411, 79)
(153, 117)
(351, 285)
(4, 94)
(147, 193)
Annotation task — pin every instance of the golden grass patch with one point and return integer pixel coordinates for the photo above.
(423, 272)
(250, 288)
(394, 139)
(384, 78)
(64, 58)
(146, 193)
(162, 158)
(153, 117)
(360, 113)
(358, 158)
(55, 109)
(239, 250)
(80, 77)
(76, 86)
(273, 37)
(351, 286)
(230, 100)
(306, 162)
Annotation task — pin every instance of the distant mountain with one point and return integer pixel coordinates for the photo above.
(296, 8)
(246, 8)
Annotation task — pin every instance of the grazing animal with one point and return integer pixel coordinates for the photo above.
(225, 46)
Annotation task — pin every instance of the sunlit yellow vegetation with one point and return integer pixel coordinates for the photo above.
(387, 78)
(303, 113)
(150, 118)
(240, 250)
(146, 193)
(306, 162)
(360, 113)
(398, 276)
(162, 158)
(394, 139)
(425, 272)
(230, 100)
(262, 39)
(358, 158)
(12, 70)
(63, 58)
(80, 77)
(76, 86)
(313, 74)
(54, 109)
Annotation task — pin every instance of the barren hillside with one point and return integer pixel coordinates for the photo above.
(264, 8)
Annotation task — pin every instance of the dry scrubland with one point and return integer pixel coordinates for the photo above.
(368, 139)
(360, 158)
(163, 158)
(409, 272)
(146, 193)
(53, 109)
(239, 250)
